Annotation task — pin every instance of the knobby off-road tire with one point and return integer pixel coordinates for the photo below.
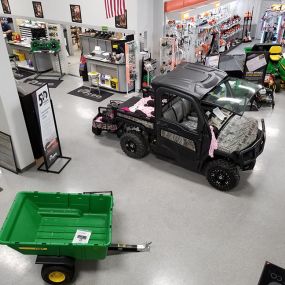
(134, 145)
(222, 174)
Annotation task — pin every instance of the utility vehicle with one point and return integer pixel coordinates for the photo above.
(197, 121)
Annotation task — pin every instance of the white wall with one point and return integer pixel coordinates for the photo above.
(92, 11)
(158, 26)
(3, 120)
(13, 123)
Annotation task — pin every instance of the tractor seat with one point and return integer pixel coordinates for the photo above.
(275, 53)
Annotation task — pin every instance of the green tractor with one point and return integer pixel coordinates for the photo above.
(275, 78)
(276, 67)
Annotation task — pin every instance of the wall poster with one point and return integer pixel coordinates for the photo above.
(6, 6)
(76, 13)
(122, 21)
(38, 9)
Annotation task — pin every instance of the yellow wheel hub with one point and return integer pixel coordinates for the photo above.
(56, 277)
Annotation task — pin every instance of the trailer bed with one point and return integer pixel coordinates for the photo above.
(46, 223)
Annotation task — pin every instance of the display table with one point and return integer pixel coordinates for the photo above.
(114, 70)
(41, 61)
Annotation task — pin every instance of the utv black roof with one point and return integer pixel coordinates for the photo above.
(189, 78)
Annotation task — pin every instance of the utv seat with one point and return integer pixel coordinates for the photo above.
(181, 113)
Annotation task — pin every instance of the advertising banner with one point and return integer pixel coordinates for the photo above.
(255, 66)
(50, 141)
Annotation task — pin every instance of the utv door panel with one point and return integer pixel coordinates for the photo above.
(175, 138)
(178, 143)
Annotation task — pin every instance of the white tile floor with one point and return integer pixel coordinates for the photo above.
(200, 236)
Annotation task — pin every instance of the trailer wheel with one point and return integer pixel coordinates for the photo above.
(222, 175)
(57, 274)
(134, 145)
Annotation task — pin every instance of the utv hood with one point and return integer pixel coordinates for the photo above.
(238, 134)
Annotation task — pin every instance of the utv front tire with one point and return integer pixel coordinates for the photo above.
(222, 175)
(134, 145)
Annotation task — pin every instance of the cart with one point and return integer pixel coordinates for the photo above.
(60, 229)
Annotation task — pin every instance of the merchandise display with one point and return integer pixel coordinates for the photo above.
(247, 25)
(168, 54)
(82, 223)
(214, 31)
(273, 24)
(153, 123)
(112, 56)
(148, 71)
(275, 71)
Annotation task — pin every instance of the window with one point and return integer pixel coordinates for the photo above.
(181, 111)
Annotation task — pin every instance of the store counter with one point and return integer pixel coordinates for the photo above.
(116, 71)
(41, 62)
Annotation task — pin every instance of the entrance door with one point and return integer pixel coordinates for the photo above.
(180, 130)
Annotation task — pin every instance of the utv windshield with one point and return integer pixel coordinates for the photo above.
(232, 94)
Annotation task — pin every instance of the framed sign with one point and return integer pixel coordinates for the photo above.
(272, 275)
(6, 6)
(122, 21)
(255, 66)
(213, 61)
(7, 156)
(75, 13)
(38, 9)
(50, 142)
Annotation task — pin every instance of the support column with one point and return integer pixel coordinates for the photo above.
(11, 115)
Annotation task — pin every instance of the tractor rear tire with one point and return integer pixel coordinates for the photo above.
(277, 85)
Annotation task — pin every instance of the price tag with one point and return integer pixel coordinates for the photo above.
(81, 237)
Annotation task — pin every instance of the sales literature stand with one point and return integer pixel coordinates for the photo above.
(7, 155)
(54, 161)
(272, 275)
(255, 66)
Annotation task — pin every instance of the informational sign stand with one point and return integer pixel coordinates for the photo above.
(255, 66)
(272, 275)
(54, 161)
(7, 154)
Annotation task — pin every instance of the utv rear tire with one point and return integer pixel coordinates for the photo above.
(134, 145)
(222, 175)
(97, 131)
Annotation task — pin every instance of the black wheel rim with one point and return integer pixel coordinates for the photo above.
(131, 146)
(220, 178)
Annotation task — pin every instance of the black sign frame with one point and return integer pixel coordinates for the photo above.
(272, 274)
(257, 76)
(47, 164)
(15, 170)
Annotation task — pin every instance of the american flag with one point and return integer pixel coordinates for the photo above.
(115, 8)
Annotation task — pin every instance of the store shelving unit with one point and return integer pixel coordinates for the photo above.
(214, 31)
(121, 72)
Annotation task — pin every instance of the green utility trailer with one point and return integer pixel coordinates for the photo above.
(46, 225)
